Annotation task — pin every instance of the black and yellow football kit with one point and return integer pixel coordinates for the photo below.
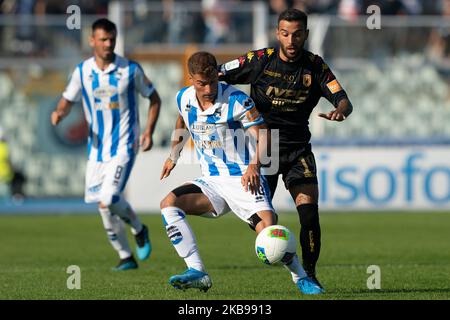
(286, 93)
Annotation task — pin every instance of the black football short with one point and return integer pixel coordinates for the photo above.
(296, 167)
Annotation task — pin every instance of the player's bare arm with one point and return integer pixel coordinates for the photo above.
(153, 113)
(178, 143)
(251, 178)
(62, 110)
(343, 110)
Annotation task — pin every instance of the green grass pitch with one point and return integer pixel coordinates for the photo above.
(412, 250)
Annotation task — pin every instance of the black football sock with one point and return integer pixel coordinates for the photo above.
(309, 236)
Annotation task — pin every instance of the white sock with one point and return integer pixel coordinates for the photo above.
(123, 209)
(116, 232)
(182, 237)
(296, 269)
(195, 261)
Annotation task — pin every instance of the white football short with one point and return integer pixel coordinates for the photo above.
(107, 180)
(226, 194)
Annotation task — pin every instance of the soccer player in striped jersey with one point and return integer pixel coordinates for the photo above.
(216, 116)
(108, 86)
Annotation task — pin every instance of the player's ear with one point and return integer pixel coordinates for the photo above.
(91, 40)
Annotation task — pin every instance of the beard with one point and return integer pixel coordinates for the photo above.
(291, 56)
(210, 97)
(108, 55)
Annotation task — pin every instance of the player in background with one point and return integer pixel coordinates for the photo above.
(108, 85)
(9, 174)
(214, 114)
(286, 84)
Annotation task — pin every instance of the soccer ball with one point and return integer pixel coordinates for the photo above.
(275, 244)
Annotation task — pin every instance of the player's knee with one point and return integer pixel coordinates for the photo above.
(168, 201)
(175, 199)
(309, 214)
(257, 222)
(106, 200)
(118, 205)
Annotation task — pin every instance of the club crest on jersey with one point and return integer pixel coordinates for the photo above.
(307, 80)
(187, 108)
(118, 75)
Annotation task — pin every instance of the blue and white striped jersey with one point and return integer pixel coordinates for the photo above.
(218, 132)
(110, 104)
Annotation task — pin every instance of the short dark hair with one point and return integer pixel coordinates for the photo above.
(104, 24)
(203, 63)
(292, 14)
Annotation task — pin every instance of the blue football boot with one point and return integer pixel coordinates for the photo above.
(144, 247)
(126, 264)
(309, 286)
(191, 278)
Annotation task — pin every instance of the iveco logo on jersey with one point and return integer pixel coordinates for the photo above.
(105, 92)
(274, 92)
(203, 128)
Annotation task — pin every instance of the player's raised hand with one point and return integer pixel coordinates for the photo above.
(167, 168)
(334, 115)
(146, 141)
(250, 179)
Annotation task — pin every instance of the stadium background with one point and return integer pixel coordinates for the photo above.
(391, 154)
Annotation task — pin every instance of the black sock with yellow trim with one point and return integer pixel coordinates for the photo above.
(309, 236)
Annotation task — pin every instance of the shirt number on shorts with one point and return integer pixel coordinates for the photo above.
(261, 190)
(259, 194)
(308, 162)
(118, 174)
